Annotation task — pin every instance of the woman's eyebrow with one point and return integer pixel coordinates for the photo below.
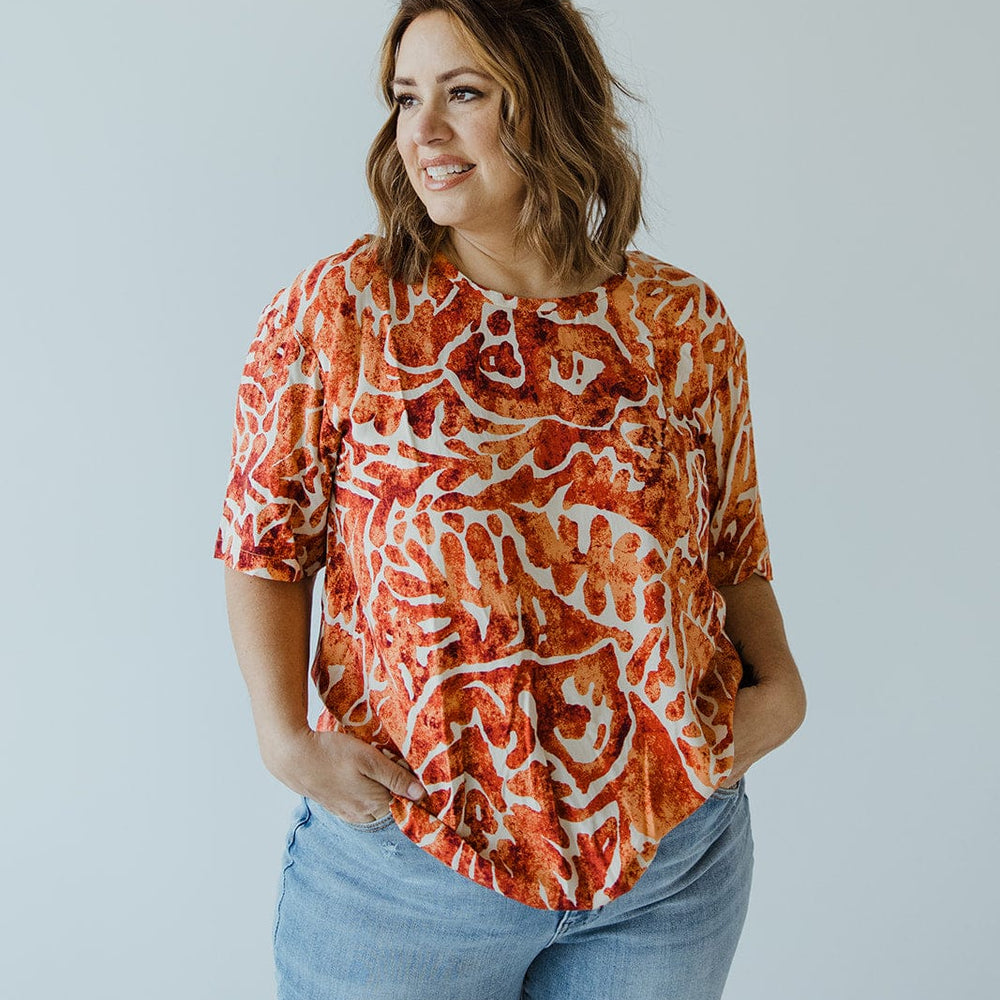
(443, 78)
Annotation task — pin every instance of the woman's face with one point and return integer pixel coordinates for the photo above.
(448, 132)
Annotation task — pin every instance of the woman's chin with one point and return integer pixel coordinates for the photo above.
(440, 216)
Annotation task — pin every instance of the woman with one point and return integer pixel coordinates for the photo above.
(523, 456)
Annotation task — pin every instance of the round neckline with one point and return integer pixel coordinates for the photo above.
(451, 272)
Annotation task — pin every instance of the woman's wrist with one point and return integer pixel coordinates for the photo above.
(281, 746)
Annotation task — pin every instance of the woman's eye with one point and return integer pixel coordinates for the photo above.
(460, 94)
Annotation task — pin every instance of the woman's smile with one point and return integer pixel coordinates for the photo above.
(444, 172)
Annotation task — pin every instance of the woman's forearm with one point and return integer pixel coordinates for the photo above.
(269, 621)
(755, 627)
(774, 705)
(270, 626)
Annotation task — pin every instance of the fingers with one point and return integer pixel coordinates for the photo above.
(352, 779)
(396, 779)
(371, 810)
(357, 799)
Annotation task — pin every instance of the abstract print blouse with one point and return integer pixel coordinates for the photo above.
(523, 508)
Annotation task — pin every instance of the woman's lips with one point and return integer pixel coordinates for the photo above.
(448, 181)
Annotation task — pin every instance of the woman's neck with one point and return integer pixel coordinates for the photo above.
(513, 270)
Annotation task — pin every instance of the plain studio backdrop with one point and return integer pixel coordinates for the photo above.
(830, 169)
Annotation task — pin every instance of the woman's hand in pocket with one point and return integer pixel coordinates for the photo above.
(342, 773)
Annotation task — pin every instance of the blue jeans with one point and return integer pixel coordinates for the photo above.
(365, 914)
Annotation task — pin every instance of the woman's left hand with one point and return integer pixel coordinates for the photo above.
(764, 717)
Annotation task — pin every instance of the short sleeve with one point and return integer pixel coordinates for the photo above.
(738, 545)
(275, 513)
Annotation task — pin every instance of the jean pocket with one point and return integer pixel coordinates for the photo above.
(726, 792)
(382, 823)
(372, 826)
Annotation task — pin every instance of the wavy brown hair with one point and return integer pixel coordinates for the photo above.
(559, 127)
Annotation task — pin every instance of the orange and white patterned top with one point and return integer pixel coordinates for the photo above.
(523, 508)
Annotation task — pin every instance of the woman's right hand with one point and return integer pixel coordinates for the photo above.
(342, 773)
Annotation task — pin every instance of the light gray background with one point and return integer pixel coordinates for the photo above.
(831, 169)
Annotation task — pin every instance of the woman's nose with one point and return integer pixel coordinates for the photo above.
(431, 126)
